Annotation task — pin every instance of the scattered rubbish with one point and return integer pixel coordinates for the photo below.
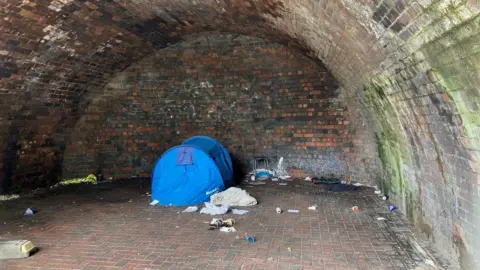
(16, 249)
(293, 211)
(237, 237)
(262, 175)
(357, 184)
(130, 200)
(385, 198)
(279, 211)
(249, 238)
(257, 183)
(325, 181)
(355, 208)
(313, 207)
(29, 212)
(429, 262)
(308, 178)
(233, 196)
(212, 209)
(154, 202)
(252, 177)
(219, 223)
(378, 192)
(229, 222)
(274, 179)
(392, 207)
(190, 209)
(282, 184)
(89, 179)
(9, 197)
(381, 218)
(239, 211)
(340, 187)
(289, 249)
(216, 223)
(227, 229)
(280, 171)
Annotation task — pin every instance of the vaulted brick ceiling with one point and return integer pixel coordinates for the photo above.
(411, 65)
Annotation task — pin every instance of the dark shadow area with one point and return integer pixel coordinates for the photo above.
(239, 169)
(10, 158)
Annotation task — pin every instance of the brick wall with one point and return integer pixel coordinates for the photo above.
(256, 97)
(412, 64)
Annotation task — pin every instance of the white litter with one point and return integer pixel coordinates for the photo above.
(381, 218)
(357, 184)
(279, 211)
(257, 183)
(9, 197)
(282, 184)
(313, 207)
(280, 170)
(252, 177)
(212, 209)
(190, 209)
(239, 211)
(378, 192)
(293, 211)
(429, 262)
(154, 202)
(274, 179)
(228, 229)
(308, 178)
(234, 197)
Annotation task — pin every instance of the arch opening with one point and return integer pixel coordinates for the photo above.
(408, 71)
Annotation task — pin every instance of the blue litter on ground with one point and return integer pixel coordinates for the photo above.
(29, 212)
(392, 207)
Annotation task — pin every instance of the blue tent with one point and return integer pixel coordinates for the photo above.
(190, 173)
(218, 153)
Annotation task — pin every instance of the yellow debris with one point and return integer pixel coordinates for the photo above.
(89, 179)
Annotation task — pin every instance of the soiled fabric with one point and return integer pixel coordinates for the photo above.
(233, 197)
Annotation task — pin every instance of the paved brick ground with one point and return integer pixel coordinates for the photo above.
(111, 226)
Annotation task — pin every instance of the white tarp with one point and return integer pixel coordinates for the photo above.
(233, 197)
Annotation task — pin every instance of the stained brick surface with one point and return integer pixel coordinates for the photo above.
(111, 226)
(256, 97)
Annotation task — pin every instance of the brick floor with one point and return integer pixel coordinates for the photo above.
(111, 226)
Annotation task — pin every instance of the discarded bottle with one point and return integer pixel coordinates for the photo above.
(279, 211)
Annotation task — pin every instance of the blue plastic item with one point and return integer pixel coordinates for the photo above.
(218, 153)
(188, 174)
(392, 207)
(250, 239)
(29, 211)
